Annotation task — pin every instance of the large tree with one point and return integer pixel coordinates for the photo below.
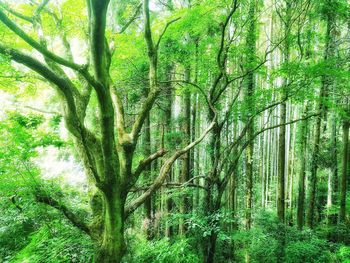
(107, 154)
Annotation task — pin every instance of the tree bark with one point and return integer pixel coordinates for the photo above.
(342, 210)
(326, 83)
(185, 166)
(250, 85)
(147, 177)
(281, 169)
(301, 183)
(112, 244)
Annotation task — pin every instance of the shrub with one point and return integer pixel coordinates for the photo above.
(56, 243)
(161, 251)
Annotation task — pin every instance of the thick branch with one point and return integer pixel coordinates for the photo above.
(148, 32)
(144, 163)
(133, 205)
(146, 107)
(15, 13)
(43, 50)
(74, 219)
(97, 19)
(44, 71)
(64, 86)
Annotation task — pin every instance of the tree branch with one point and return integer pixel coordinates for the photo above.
(15, 13)
(235, 161)
(132, 19)
(98, 46)
(134, 204)
(71, 117)
(43, 50)
(144, 163)
(40, 68)
(164, 30)
(74, 219)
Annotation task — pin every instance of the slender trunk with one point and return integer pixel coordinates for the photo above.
(281, 169)
(326, 83)
(210, 256)
(194, 113)
(212, 200)
(333, 175)
(185, 168)
(291, 162)
(281, 165)
(314, 166)
(281, 159)
(169, 231)
(301, 183)
(342, 210)
(147, 176)
(251, 47)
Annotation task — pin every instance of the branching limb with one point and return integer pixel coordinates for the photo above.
(170, 185)
(244, 146)
(154, 89)
(74, 219)
(98, 46)
(15, 13)
(164, 171)
(164, 30)
(43, 50)
(65, 88)
(132, 19)
(44, 71)
(144, 163)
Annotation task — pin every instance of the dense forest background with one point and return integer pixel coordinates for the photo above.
(174, 131)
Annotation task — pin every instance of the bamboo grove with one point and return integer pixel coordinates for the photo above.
(204, 130)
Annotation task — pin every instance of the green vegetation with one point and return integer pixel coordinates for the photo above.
(174, 131)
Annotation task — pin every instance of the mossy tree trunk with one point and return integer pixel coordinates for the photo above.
(112, 245)
(107, 151)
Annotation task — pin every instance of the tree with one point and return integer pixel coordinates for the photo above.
(168, 100)
(108, 157)
(327, 82)
(251, 47)
(345, 162)
(301, 182)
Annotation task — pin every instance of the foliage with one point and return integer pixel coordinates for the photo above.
(161, 251)
(264, 242)
(122, 98)
(344, 254)
(56, 242)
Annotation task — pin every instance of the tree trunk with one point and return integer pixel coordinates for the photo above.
(333, 175)
(167, 130)
(251, 47)
(211, 202)
(342, 210)
(301, 183)
(326, 83)
(112, 243)
(147, 176)
(314, 166)
(281, 165)
(185, 168)
(281, 169)
(210, 256)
